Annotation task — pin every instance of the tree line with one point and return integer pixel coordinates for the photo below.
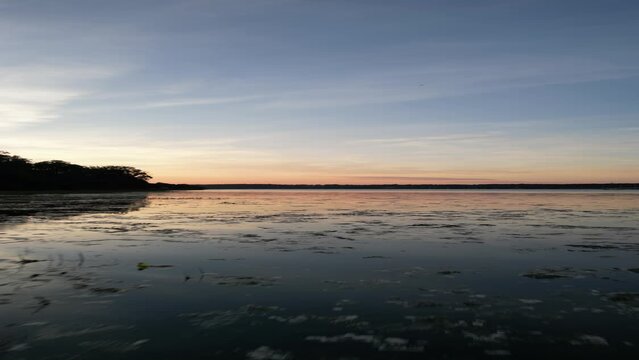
(18, 173)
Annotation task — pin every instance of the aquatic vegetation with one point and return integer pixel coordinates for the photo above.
(379, 343)
(266, 353)
(549, 274)
(230, 280)
(498, 336)
(590, 340)
(219, 318)
(448, 272)
(42, 303)
(624, 297)
(293, 275)
(98, 290)
(143, 266)
(28, 261)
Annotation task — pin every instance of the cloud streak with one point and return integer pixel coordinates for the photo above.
(36, 93)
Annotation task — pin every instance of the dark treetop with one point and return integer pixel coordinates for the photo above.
(17, 173)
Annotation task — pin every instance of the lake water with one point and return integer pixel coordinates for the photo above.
(319, 275)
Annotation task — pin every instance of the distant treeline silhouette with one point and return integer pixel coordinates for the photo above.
(602, 186)
(17, 173)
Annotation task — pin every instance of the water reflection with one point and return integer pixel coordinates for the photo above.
(16, 208)
(321, 275)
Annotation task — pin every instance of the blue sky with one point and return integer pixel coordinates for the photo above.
(326, 91)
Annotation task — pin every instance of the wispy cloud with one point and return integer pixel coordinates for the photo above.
(450, 79)
(420, 141)
(36, 93)
(177, 102)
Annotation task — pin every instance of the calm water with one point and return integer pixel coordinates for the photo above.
(319, 275)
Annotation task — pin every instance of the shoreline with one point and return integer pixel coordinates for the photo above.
(383, 187)
(606, 186)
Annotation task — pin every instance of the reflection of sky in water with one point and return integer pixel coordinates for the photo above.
(318, 274)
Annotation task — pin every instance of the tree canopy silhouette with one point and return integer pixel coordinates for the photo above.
(17, 173)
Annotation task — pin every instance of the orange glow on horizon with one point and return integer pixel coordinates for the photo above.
(351, 180)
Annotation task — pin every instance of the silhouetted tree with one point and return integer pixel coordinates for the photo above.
(17, 173)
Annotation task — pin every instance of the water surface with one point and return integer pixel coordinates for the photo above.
(319, 275)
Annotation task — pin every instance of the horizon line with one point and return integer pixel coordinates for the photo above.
(395, 185)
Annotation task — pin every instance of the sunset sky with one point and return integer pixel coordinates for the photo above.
(326, 91)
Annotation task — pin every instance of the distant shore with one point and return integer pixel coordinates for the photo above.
(601, 186)
(160, 187)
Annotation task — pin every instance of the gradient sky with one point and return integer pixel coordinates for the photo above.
(326, 91)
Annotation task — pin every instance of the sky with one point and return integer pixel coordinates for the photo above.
(326, 91)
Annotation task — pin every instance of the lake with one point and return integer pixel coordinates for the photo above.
(320, 275)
